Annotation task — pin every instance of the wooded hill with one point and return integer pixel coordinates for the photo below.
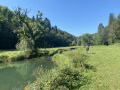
(16, 28)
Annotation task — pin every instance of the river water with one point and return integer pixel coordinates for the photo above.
(15, 76)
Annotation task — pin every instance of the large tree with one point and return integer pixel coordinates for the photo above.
(27, 31)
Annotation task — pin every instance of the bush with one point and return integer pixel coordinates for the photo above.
(69, 79)
(31, 54)
(3, 58)
(78, 61)
(60, 59)
(25, 44)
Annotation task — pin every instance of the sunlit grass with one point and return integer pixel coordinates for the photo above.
(106, 59)
(14, 55)
(10, 53)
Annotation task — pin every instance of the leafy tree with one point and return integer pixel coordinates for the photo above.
(27, 32)
(87, 39)
(7, 36)
(105, 36)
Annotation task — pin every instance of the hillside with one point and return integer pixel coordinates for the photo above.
(16, 24)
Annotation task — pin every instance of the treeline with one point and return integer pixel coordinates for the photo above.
(106, 35)
(17, 30)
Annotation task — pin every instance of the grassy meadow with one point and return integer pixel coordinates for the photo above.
(105, 61)
(15, 55)
(100, 68)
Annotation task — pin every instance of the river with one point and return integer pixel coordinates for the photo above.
(16, 75)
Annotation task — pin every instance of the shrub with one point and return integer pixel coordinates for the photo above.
(25, 44)
(60, 59)
(78, 61)
(69, 79)
(3, 58)
(31, 54)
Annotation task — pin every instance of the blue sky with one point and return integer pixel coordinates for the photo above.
(74, 16)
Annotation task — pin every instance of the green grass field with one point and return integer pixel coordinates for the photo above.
(106, 60)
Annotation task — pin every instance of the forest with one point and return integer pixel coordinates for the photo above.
(16, 28)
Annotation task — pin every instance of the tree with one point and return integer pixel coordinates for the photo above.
(100, 28)
(27, 32)
(117, 30)
(47, 23)
(105, 36)
(112, 30)
(33, 19)
(87, 39)
(7, 36)
(111, 19)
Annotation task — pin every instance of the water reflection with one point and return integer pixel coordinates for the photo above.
(17, 75)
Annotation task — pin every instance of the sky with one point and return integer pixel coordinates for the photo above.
(77, 17)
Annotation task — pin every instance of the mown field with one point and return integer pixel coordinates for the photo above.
(106, 60)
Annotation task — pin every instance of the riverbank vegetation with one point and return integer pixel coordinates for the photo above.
(15, 55)
(99, 69)
(71, 72)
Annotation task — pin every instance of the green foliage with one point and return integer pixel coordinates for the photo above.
(100, 27)
(17, 58)
(61, 59)
(31, 54)
(79, 61)
(16, 27)
(87, 39)
(65, 75)
(3, 58)
(69, 78)
(25, 45)
(8, 37)
(111, 18)
(105, 36)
